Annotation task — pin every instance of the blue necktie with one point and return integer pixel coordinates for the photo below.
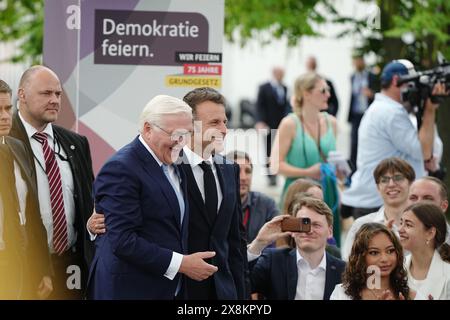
(165, 168)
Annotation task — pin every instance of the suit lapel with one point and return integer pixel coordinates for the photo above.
(69, 148)
(156, 173)
(185, 224)
(330, 278)
(292, 274)
(223, 180)
(18, 131)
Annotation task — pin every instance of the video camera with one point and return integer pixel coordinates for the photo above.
(420, 85)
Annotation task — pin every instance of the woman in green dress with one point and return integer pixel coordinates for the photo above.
(305, 137)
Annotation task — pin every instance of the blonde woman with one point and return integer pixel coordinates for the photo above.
(306, 136)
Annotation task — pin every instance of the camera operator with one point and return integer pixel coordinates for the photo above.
(386, 131)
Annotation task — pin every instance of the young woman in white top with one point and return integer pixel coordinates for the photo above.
(375, 267)
(422, 232)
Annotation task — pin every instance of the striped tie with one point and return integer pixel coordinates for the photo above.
(56, 195)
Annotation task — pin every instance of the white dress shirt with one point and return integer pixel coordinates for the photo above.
(22, 191)
(377, 216)
(177, 258)
(310, 282)
(194, 161)
(43, 187)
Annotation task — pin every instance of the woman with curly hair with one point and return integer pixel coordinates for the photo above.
(375, 267)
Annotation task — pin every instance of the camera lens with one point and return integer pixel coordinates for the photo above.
(305, 220)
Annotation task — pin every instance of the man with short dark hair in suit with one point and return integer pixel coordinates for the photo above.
(215, 207)
(272, 105)
(24, 258)
(303, 272)
(257, 208)
(143, 253)
(62, 175)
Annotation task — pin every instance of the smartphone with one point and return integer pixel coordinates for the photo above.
(296, 224)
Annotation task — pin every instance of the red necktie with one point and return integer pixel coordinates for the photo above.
(246, 217)
(56, 195)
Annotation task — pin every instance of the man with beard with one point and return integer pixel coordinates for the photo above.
(257, 208)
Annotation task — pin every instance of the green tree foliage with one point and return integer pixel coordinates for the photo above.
(250, 19)
(426, 22)
(22, 22)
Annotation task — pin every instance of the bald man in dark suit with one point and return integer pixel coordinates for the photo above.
(39, 105)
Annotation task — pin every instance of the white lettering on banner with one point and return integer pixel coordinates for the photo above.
(127, 50)
(207, 57)
(73, 21)
(154, 29)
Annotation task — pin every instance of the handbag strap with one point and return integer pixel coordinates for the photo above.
(324, 159)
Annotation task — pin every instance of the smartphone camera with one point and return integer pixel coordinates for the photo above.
(296, 224)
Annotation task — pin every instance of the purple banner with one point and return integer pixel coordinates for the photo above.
(147, 37)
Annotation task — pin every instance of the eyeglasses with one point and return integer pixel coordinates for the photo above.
(179, 136)
(398, 178)
(324, 90)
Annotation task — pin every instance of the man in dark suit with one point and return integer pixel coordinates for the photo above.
(257, 208)
(303, 272)
(24, 258)
(364, 86)
(63, 157)
(272, 105)
(215, 208)
(143, 197)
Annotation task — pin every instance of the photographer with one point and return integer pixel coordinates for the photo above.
(386, 131)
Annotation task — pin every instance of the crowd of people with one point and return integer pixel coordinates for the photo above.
(169, 217)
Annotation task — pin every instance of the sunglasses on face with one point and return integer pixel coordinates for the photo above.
(324, 90)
